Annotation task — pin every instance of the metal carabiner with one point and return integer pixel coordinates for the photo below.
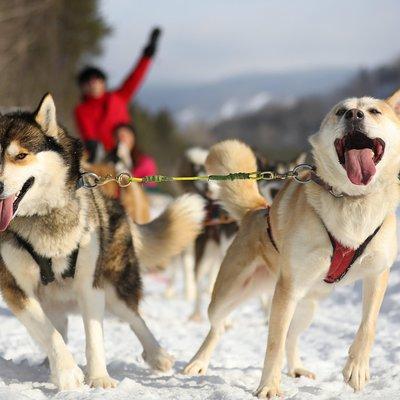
(267, 175)
(88, 180)
(298, 168)
(123, 179)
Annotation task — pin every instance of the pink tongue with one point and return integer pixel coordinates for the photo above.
(6, 212)
(359, 165)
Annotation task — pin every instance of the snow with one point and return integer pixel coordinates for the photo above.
(235, 368)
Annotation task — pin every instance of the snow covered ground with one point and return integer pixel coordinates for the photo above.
(235, 369)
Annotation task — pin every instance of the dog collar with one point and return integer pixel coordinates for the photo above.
(316, 179)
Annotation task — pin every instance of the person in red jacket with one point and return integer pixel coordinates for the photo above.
(127, 155)
(100, 110)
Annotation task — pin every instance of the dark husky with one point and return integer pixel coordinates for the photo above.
(65, 249)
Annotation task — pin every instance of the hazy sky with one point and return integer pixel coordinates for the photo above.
(205, 40)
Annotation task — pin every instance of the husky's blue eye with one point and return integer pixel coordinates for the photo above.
(20, 156)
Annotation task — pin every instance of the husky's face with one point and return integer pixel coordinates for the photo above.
(34, 174)
(358, 143)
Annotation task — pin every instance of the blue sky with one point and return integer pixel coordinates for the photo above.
(212, 39)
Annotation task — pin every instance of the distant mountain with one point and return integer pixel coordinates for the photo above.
(238, 95)
(281, 129)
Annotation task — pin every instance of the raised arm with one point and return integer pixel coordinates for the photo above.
(132, 83)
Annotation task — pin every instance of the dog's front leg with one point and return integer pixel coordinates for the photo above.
(91, 301)
(92, 304)
(356, 370)
(64, 371)
(18, 290)
(284, 304)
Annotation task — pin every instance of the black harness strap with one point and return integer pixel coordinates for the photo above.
(70, 271)
(45, 264)
(269, 230)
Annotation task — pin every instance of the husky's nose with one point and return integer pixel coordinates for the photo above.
(354, 115)
(1, 187)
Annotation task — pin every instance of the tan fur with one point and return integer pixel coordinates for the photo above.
(133, 198)
(299, 217)
(394, 101)
(136, 203)
(12, 294)
(234, 156)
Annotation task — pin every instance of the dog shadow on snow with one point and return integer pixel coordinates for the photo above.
(148, 378)
(23, 373)
(38, 375)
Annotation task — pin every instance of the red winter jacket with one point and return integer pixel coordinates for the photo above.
(96, 118)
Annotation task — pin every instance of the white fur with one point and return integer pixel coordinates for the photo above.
(48, 191)
(192, 206)
(197, 155)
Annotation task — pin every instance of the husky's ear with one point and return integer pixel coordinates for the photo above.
(394, 101)
(45, 115)
(313, 139)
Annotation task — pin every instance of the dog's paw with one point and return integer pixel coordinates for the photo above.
(105, 382)
(299, 372)
(196, 367)
(68, 379)
(159, 360)
(267, 391)
(356, 372)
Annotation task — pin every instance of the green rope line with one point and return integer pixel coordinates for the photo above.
(90, 180)
(228, 177)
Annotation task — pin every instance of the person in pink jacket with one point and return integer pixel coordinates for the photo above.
(128, 156)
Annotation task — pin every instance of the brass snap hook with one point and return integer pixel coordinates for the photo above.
(124, 179)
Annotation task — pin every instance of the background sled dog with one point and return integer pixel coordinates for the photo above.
(65, 249)
(202, 258)
(301, 245)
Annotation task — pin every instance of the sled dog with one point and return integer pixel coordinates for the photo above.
(65, 248)
(337, 228)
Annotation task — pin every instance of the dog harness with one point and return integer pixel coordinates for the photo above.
(45, 263)
(342, 257)
(216, 215)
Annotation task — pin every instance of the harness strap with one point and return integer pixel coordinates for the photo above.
(45, 263)
(344, 257)
(269, 228)
(216, 215)
(70, 271)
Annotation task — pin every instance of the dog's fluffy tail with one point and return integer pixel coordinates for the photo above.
(166, 236)
(240, 196)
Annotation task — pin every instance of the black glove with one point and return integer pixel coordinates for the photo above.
(151, 46)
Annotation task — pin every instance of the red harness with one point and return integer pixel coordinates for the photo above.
(342, 257)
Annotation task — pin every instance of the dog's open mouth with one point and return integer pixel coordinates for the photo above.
(359, 155)
(9, 205)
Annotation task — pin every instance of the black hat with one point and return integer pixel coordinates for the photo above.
(88, 73)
